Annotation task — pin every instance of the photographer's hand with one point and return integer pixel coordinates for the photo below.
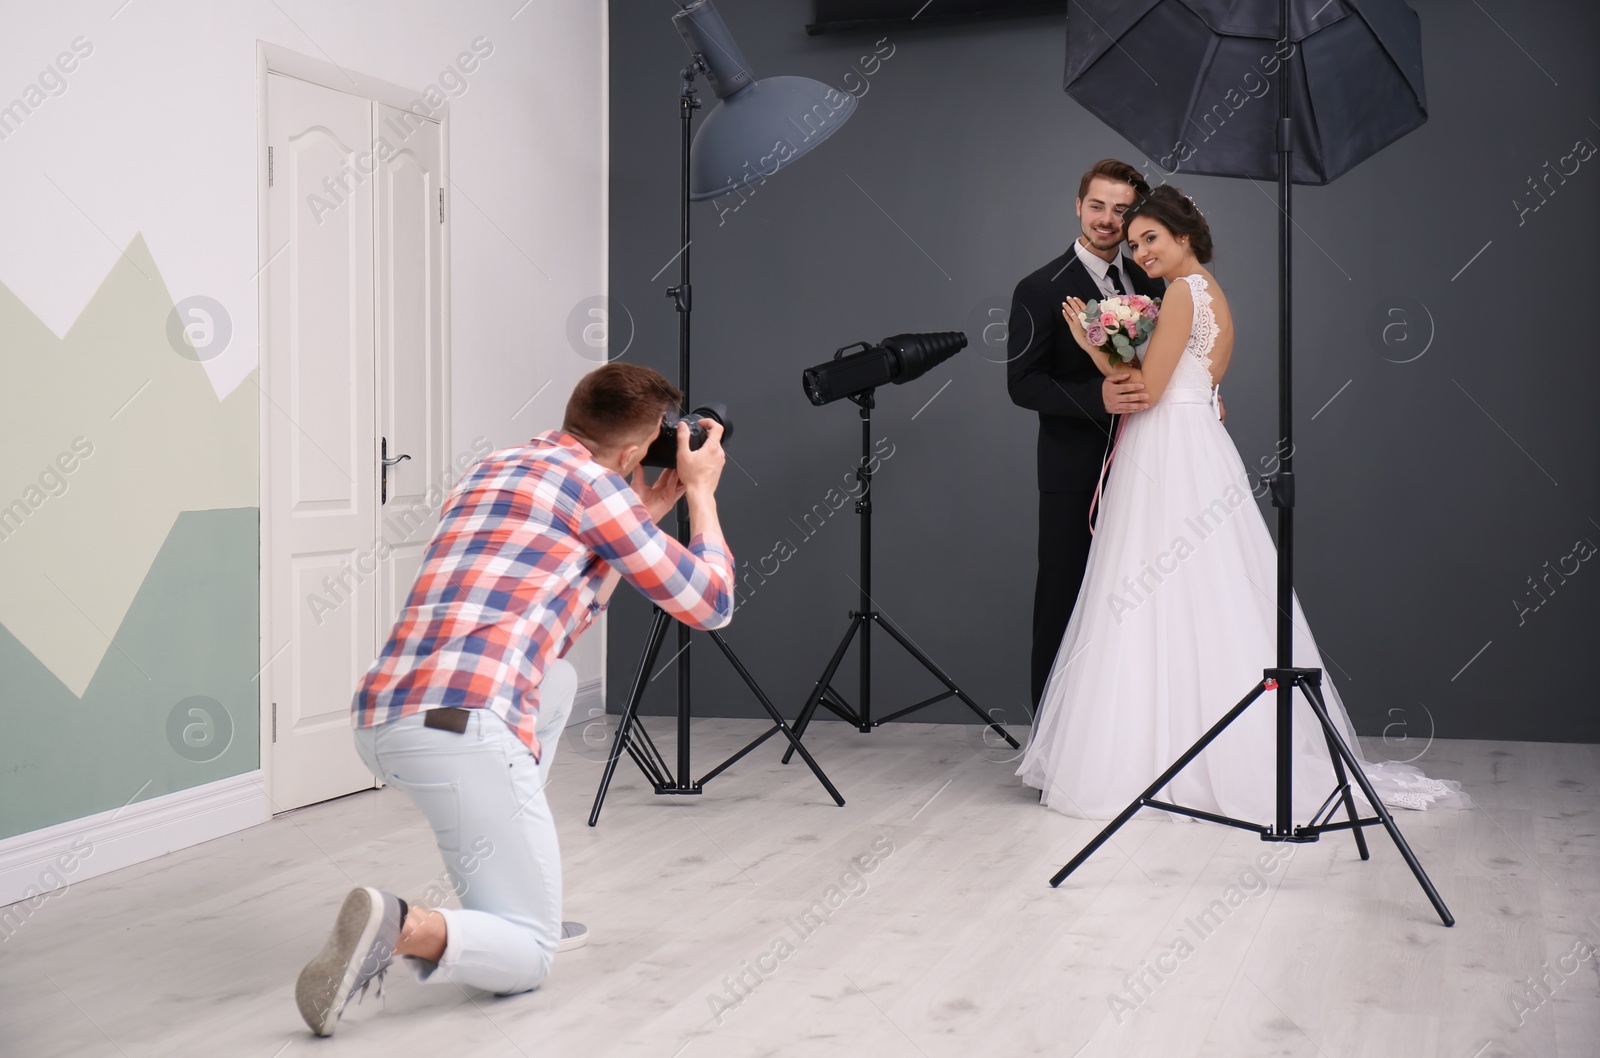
(700, 471)
(661, 497)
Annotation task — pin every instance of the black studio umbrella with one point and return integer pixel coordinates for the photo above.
(1190, 82)
(1297, 91)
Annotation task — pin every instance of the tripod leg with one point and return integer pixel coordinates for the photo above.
(1314, 696)
(1102, 837)
(1150, 791)
(1349, 798)
(777, 717)
(658, 632)
(803, 720)
(939, 674)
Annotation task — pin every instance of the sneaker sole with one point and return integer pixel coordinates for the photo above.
(328, 978)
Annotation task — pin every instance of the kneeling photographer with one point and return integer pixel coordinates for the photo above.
(464, 707)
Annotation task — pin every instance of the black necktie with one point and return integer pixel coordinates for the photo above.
(1116, 280)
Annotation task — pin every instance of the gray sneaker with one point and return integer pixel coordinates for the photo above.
(359, 951)
(573, 935)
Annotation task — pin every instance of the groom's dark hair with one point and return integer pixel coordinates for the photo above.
(1114, 169)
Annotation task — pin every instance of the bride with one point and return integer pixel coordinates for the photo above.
(1176, 617)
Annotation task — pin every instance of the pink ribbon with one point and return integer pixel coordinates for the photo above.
(1105, 465)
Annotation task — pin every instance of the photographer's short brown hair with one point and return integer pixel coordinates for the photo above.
(615, 402)
(1114, 169)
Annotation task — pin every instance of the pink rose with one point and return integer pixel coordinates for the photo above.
(1108, 320)
(1097, 334)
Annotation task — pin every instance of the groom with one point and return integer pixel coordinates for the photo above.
(1047, 373)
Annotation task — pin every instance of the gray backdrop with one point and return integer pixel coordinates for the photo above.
(1446, 453)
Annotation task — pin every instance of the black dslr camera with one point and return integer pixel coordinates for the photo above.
(663, 451)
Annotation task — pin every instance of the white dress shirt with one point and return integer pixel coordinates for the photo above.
(1097, 267)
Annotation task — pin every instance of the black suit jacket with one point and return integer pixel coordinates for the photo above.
(1046, 372)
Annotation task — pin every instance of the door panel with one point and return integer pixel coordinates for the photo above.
(319, 435)
(412, 384)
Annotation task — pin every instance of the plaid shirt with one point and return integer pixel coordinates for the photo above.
(510, 577)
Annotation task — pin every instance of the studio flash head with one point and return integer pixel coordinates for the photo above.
(898, 359)
(663, 451)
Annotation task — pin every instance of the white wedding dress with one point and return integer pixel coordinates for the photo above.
(1175, 620)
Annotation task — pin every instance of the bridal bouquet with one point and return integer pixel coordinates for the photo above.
(1119, 325)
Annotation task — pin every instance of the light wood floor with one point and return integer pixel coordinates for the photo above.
(955, 946)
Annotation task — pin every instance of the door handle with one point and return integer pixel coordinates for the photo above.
(384, 463)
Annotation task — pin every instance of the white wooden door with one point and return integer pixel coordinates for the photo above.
(413, 386)
(354, 368)
(321, 492)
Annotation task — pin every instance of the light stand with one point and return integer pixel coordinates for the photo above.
(631, 733)
(1284, 677)
(862, 619)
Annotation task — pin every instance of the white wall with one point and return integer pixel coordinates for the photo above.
(146, 125)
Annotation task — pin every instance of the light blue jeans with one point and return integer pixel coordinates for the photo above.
(483, 793)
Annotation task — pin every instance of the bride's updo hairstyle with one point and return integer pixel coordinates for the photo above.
(1176, 212)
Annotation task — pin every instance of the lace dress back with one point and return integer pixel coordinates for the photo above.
(1191, 378)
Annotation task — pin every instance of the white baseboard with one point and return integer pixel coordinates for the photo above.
(34, 864)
